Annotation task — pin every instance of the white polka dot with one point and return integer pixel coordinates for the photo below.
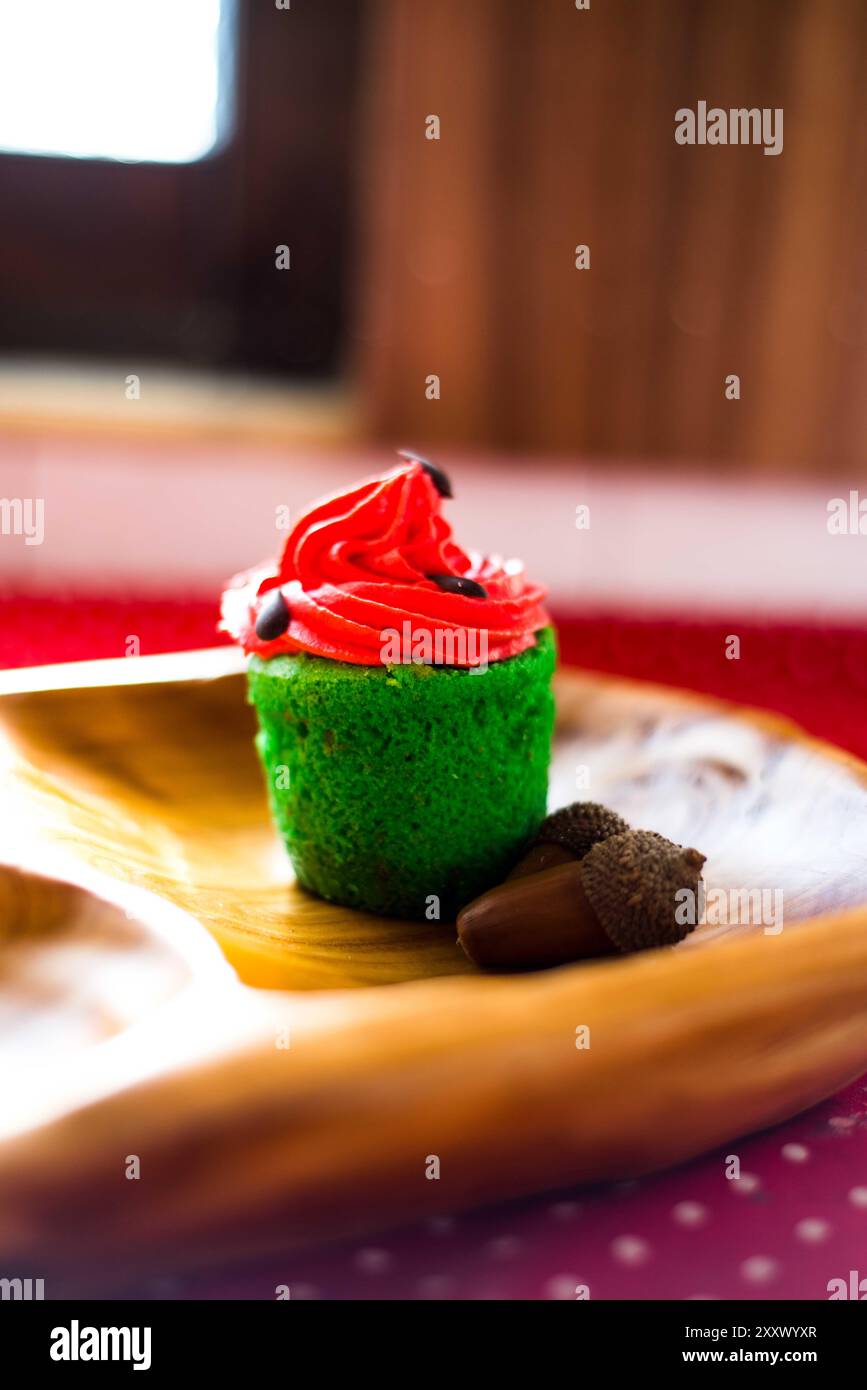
(503, 1248)
(372, 1261)
(812, 1230)
(795, 1153)
(858, 1196)
(562, 1287)
(630, 1250)
(745, 1185)
(565, 1211)
(434, 1286)
(689, 1214)
(759, 1269)
(843, 1123)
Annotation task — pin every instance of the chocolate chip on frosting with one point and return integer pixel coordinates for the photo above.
(457, 584)
(440, 480)
(274, 617)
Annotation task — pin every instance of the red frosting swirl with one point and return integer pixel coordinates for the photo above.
(355, 567)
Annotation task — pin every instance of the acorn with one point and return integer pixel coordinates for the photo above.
(569, 834)
(620, 897)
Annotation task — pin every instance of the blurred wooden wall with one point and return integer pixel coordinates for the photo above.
(557, 128)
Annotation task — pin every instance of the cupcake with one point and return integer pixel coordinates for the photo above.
(403, 693)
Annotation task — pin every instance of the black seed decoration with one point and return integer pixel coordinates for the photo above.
(456, 584)
(440, 480)
(273, 618)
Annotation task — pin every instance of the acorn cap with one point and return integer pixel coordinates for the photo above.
(631, 881)
(579, 827)
(567, 835)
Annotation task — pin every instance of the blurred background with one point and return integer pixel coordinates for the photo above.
(155, 156)
(250, 247)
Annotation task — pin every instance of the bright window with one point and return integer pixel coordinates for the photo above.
(110, 79)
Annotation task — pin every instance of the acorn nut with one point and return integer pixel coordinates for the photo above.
(620, 897)
(569, 834)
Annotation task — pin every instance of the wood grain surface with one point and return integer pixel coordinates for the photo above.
(265, 1118)
(557, 130)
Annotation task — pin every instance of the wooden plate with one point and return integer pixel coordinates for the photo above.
(134, 816)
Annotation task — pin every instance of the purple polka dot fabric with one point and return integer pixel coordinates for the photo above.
(778, 1216)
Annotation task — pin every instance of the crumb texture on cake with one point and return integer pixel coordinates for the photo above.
(395, 786)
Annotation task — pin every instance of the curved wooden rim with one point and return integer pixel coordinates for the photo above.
(219, 662)
(331, 1135)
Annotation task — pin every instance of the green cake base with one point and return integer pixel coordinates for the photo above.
(405, 790)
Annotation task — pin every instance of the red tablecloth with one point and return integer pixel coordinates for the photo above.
(815, 674)
(797, 1217)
